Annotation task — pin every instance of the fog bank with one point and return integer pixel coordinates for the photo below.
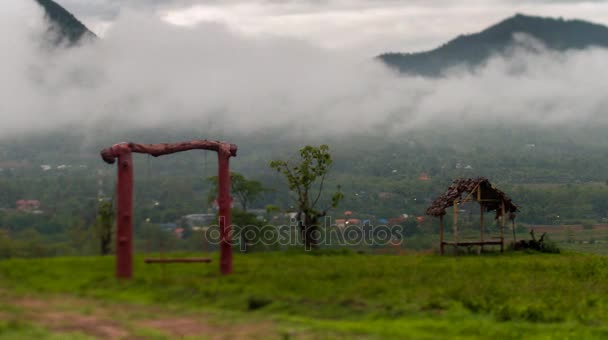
(146, 73)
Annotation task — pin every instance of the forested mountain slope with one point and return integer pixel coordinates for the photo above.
(65, 23)
(473, 49)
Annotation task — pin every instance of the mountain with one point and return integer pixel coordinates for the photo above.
(68, 26)
(474, 49)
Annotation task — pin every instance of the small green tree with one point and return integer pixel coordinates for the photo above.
(243, 222)
(245, 191)
(78, 236)
(31, 244)
(410, 227)
(302, 177)
(271, 209)
(6, 245)
(103, 226)
(570, 235)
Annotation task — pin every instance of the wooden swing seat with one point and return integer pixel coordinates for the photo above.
(179, 260)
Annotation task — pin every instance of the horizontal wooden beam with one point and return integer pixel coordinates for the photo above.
(110, 154)
(474, 200)
(473, 243)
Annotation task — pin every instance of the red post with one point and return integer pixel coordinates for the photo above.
(124, 223)
(124, 232)
(224, 204)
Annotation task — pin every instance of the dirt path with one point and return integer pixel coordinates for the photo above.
(106, 320)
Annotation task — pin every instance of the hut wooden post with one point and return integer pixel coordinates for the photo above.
(513, 228)
(502, 226)
(441, 235)
(456, 225)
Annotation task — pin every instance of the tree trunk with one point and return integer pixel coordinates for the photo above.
(308, 230)
(244, 240)
(106, 240)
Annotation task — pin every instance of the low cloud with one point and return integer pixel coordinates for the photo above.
(146, 73)
(365, 27)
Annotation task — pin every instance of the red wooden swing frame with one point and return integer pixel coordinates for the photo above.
(124, 225)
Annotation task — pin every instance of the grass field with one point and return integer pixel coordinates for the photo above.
(324, 295)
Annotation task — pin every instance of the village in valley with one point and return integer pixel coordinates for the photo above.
(303, 169)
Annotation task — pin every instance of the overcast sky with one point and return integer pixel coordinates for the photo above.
(368, 26)
(147, 73)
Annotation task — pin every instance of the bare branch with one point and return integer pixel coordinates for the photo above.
(320, 190)
(290, 174)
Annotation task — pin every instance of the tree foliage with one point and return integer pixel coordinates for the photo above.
(302, 177)
(245, 191)
(103, 226)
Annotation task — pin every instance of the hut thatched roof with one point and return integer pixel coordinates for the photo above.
(492, 198)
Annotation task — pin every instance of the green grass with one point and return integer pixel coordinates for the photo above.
(17, 330)
(522, 295)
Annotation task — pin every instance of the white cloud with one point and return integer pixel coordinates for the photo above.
(365, 27)
(147, 73)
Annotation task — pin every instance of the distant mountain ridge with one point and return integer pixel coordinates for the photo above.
(68, 26)
(474, 49)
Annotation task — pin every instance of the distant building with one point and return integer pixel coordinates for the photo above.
(345, 222)
(424, 177)
(168, 226)
(399, 220)
(178, 232)
(385, 195)
(200, 220)
(260, 214)
(463, 166)
(31, 206)
(12, 165)
(292, 215)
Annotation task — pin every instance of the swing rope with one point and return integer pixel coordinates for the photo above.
(161, 259)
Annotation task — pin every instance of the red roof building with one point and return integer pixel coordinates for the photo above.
(179, 232)
(27, 205)
(341, 222)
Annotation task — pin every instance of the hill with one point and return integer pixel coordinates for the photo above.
(474, 49)
(68, 26)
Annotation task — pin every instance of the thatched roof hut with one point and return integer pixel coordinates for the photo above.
(491, 198)
(478, 190)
